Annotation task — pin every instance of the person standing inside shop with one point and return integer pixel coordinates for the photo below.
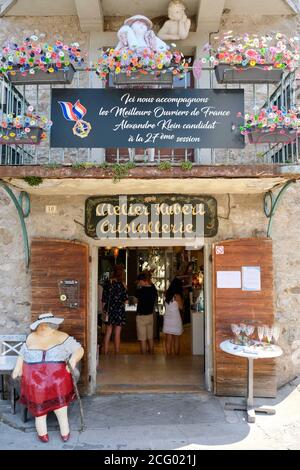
(114, 298)
(146, 295)
(172, 318)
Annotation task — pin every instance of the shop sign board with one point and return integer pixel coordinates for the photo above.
(185, 218)
(172, 118)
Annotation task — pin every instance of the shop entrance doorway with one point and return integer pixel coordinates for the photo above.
(130, 371)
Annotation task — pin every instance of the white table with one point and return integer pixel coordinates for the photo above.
(251, 353)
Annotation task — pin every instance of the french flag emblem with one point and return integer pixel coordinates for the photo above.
(72, 112)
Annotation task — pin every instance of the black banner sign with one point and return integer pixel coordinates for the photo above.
(174, 118)
(154, 217)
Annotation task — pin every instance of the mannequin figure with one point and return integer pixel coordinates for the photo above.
(137, 33)
(46, 382)
(178, 25)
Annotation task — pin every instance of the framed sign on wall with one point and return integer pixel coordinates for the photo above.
(172, 118)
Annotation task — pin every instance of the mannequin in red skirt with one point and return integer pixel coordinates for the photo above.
(46, 382)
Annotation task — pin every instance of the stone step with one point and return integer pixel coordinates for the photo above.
(148, 388)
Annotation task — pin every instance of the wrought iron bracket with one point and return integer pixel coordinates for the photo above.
(271, 203)
(22, 205)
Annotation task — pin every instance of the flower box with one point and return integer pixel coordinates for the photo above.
(162, 79)
(228, 73)
(42, 77)
(266, 136)
(14, 136)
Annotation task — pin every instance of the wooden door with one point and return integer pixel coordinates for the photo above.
(234, 305)
(53, 261)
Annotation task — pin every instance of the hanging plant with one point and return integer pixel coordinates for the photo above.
(142, 61)
(165, 166)
(272, 125)
(36, 61)
(27, 128)
(33, 180)
(252, 58)
(186, 165)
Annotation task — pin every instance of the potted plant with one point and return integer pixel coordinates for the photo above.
(271, 125)
(141, 66)
(27, 128)
(252, 58)
(37, 62)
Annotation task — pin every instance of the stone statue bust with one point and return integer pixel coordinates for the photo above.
(178, 25)
(137, 33)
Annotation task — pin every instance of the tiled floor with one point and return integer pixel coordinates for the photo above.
(132, 372)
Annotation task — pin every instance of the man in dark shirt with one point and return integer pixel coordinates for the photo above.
(146, 295)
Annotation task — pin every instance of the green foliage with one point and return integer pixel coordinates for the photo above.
(83, 165)
(104, 165)
(120, 170)
(186, 166)
(33, 180)
(165, 166)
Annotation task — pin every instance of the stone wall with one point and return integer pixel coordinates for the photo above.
(244, 219)
(239, 216)
(286, 237)
(14, 280)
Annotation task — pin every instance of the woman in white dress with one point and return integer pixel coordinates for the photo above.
(172, 317)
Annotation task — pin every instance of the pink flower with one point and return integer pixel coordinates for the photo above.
(250, 53)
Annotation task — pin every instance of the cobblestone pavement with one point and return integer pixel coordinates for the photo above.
(163, 421)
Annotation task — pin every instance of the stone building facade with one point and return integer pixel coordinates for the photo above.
(240, 215)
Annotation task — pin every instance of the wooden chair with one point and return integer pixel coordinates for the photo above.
(10, 346)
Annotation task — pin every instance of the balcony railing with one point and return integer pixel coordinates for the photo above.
(15, 99)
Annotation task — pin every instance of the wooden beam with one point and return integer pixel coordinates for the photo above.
(209, 15)
(90, 14)
(259, 171)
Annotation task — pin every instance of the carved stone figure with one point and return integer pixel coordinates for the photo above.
(137, 33)
(178, 25)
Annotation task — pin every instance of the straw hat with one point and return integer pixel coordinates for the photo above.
(135, 18)
(46, 318)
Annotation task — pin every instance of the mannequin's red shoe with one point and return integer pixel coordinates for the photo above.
(44, 438)
(66, 437)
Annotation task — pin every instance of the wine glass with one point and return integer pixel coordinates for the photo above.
(243, 332)
(268, 332)
(249, 330)
(260, 333)
(235, 329)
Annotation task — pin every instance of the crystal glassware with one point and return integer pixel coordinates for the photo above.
(243, 327)
(268, 332)
(249, 330)
(235, 329)
(260, 333)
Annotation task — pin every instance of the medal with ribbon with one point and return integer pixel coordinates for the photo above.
(75, 113)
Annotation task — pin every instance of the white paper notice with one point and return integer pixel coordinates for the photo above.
(229, 280)
(251, 278)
